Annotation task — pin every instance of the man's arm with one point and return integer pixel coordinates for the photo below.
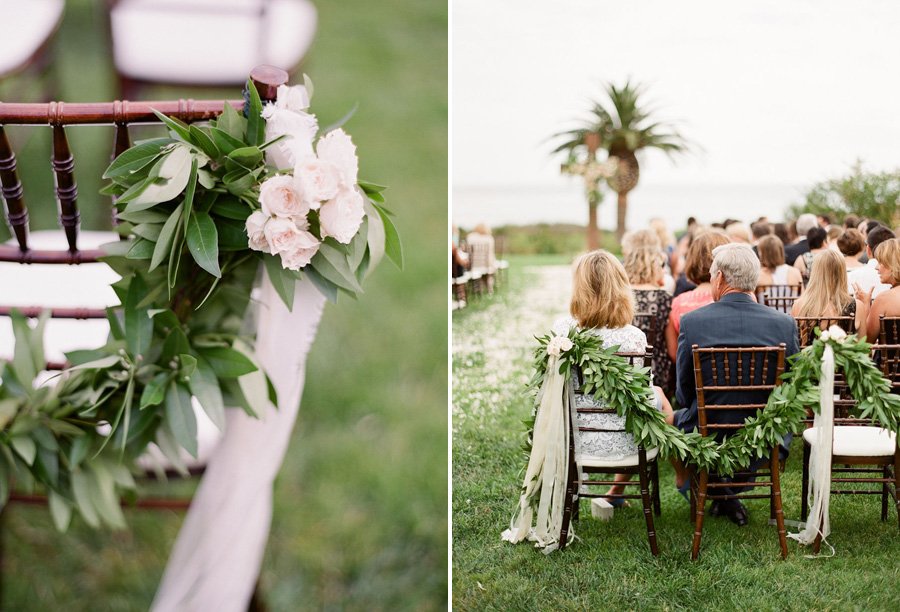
(685, 391)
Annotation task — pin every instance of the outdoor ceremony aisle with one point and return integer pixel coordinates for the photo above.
(610, 565)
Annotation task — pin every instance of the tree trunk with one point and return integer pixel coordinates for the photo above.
(620, 215)
(593, 239)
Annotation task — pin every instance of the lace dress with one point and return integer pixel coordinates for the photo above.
(608, 445)
(658, 304)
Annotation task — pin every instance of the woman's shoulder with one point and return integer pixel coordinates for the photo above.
(562, 325)
(629, 338)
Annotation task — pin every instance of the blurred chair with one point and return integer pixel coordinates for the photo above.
(643, 464)
(888, 330)
(806, 326)
(733, 384)
(26, 33)
(208, 43)
(861, 452)
(779, 297)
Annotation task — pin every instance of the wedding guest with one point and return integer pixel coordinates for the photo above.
(645, 274)
(852, 246)
(602, 302)
(824, 221)
(735, 319)
(760, 229)
(648, 239)
(773, 270)
(781, 230)
(697, 271)
(667, 243)
(827, 295)
(805, 222)
(868, 277)
(834, 232)
(888, 302)
(851, 221)
(480, 248)
(739, 232)
(817, 241)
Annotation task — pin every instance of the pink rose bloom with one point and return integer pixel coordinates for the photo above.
(337, 148)
(305, 246)
(256, 224)
(318, 180)
(341, 217)
(279, 196)
(295, 246)
(300, 128)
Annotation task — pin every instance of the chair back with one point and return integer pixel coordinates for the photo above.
(806, 326)
(651, 326)
(887, 358)
(888, 330)
(58, 116)
(634, 359)
(480, 255)
(733, 384)
(779, 297)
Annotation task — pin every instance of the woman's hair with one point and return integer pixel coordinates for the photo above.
(739, 232)
(826, 294)
(815, 238)
(601, 296)
(851, 242)
(771, 252)
(834, 232)
(640, 239)
(666, 237)
(888, 254)
(643, 265)
(482, 228)
(781, 230)
(699, 255)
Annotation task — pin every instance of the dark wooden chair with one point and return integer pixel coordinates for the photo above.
(888, 330)
(806, 326)
(861, 453)
(719, 373)
(779, 297)
(31, 248)
(643, 464)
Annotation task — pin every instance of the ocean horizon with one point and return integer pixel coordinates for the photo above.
(498, 205)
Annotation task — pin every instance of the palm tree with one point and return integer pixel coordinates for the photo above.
(622, 127)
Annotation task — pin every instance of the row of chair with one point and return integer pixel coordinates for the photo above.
(868, 454)
(486, 273)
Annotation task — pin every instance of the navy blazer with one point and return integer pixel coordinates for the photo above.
(735, 320)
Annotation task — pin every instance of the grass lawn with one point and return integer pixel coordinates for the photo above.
(360, 517)
(610, 566)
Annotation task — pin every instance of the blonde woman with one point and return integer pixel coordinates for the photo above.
(645, 273)
(649, 239)
(602, 302)
(827, 295)
(888, 302)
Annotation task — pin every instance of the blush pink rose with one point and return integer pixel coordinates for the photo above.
(280, 196)
(337, 148)
(256, 224)
(295, 246)
(341, 217)
(299, 127)
(318, 180)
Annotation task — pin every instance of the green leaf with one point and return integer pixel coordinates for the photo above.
(166, 442)
(138, 325)
(24, 447)
(232, 123)
(98, 364)
(164, 243)
(136, 158)
(140, 249)
(254, 385)
(102, 488)
(357, 247)
(188, 364)
(174, 174)
(202, 241)
(256, 126)
(232, 235)
(189, 195)
(392, 246)
(203, 141)
(225, 142)
(28, 355)
(326, 287)
(205, 386)
(181, 418)
(155, 391)
(282, 283)
(231, 208)
(332, 264)
(370, 188)
(248, 157)
(227, 362)
(179, 127)
(143, 216)
(133, 192)
(60, 510)
(81, 491)
(238, 183)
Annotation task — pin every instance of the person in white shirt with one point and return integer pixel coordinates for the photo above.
(867, 276)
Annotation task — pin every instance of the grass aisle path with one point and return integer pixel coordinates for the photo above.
(611, 566)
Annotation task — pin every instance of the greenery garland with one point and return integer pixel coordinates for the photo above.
(197, 229)
(626, 388)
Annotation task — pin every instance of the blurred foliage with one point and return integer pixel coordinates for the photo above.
(547, 239)
(870, 195)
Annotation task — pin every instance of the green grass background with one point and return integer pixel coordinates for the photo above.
(611, 567)
(361, 503)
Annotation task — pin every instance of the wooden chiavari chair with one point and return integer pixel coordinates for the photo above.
(779, 297)
(719, 373)
(888, 330)
(643, 464)
(806, 326)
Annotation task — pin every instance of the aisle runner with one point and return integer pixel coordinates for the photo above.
(492, 348)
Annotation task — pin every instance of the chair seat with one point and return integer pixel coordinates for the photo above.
(861, 441)
(26, 25)
(502, 264)
(604, 462)
(208, 42)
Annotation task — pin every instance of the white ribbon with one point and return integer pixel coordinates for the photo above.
(547, 471)
(819, 493)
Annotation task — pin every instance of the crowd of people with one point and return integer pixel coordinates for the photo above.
(474, 264)
(728, 284)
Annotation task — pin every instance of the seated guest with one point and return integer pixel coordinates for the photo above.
(805, 222)
(697, 271)
(773, 270)
(817, 241)
(827, 296)
(734, 319)
(852, 246)
(480, 247)
(888, 302)
(645, 274)
(868, 277)
(851, 221)
(648, 239)
(602, 303)
(739, 232)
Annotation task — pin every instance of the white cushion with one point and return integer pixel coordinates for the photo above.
(604, 462)
(858, 441)
(208, 41)
(26, 25)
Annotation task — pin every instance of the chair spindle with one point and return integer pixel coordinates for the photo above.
(66, 189)
(13, 192)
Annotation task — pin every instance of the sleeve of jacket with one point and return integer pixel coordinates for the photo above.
(685, 392)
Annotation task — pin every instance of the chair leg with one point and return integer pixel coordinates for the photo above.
(654, 479)
(701, 503)
(804, 489)
(885, 473)
(776, 502)
(693, 498)
(648, 510)
(568, 504)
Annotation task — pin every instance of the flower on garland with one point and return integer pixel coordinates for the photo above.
(559, 345)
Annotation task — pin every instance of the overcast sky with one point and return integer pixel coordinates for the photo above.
(774, 92)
